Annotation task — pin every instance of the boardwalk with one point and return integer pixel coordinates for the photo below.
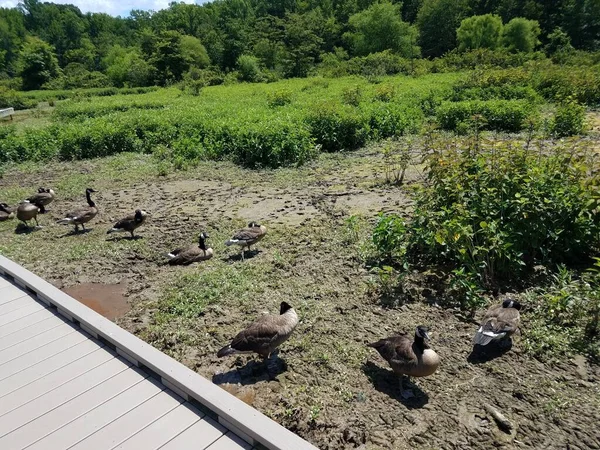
(65, 388)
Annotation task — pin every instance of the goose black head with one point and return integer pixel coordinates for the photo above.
(201, 241)
(41, 190)
(509, 303)
(284, 307)
(422, 332)
(254, 225)
(90, 190)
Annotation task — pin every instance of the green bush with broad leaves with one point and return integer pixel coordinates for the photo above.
(498, 115)
(568, 120)
(389, 237)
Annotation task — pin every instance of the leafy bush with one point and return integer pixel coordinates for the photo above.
(497, 212)
(392, 119)
(559, 83)
(385, 92)
(565, 316)
(280, 97)
(501, 115)
(13, 99)
(389, 237)
(568, 120)
(248, 67)
(352, 95)
(336, 129)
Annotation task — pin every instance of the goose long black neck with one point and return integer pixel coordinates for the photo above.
(89, 199)
(202, 244)
(420, 342)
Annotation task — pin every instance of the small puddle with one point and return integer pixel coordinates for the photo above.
(106, 299)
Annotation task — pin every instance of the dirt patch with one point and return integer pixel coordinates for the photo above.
(106, 299)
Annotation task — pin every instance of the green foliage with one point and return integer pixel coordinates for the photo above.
(479, 32)
(497, 212)
(385, 92)
(566, 315)
(389, 237)
(352, 95)
(559, 42)
(337, 128)
(501, 115)
(568, 120)
(194, 52)
(37, 63)
(521, 35)
(12, 99)
(280, 97)
(437, 21)
(380, 27)
(396, 159)
(127, 67)
(249, 68)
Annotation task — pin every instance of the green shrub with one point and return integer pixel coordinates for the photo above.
(568, 120)
(580, 83)
(389, 237)
(392, 119)
(352, 95)
(500, 115)
(336, 129)
(249, 68)
(385, 92)
(13, 99)
(497, 212)
(280, 97)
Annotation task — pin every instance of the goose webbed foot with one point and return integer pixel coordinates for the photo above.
(405, 393)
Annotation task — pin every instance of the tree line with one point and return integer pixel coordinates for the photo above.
(46, 45)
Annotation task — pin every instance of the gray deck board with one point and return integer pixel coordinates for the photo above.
(9, 293)
(130, 423)
(99, 417)
(62, 388)
(229, 441)
(26, 321)
(32, 331)
(67, 412)
(197, 437)
(80, 354)
(22, 348)
(163, 430)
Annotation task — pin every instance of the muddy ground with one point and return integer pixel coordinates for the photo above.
(328, 386)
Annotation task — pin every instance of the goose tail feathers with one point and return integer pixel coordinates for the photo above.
(227, 350)
(64, 221)
(485, 337)
(230, 242)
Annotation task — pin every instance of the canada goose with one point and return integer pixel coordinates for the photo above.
(265, 334)
(129, 223)
(6, 212)
(43, 198)
(82, 215)
(191, 254)
(500, 322)
(27, 211)
(410, 358)
(248, 236)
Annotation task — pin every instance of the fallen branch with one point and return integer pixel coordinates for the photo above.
(504, 424)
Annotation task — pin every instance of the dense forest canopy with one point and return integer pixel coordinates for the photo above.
(50, 45)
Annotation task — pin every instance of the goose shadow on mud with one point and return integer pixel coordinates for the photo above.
(387, 382)
(253, 371)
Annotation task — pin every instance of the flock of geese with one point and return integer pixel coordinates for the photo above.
(407, 357)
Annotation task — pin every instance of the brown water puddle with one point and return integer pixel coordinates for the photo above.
(106, 299)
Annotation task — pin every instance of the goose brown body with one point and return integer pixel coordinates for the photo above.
(413, 358)
(130, 223)
(6, 212)
(248, 236)
(27, 211)
(264, 335)
(42, 198)
(499, 322)
(191, 254)
(83, 215)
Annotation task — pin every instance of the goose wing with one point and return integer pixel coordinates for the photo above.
(258, 334)
(395, 349)
(125, 223)
(184, 255)
(247, 234)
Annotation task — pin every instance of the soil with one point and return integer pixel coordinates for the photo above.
(324, 383)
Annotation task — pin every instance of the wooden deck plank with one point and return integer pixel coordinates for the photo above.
(99, 417)
(44, 425)
(20, 313)
(163, 430)
(29, 345)
(26, 412)
(41, 354)
(4, 282)
(57, 362)
(15, 304)
(9, 293)
(229, 441)
(197, 437)
(29, 332)
(129, 424)
(24, 322)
